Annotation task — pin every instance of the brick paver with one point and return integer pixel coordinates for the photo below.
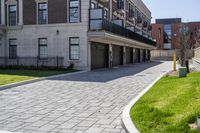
(90, 102)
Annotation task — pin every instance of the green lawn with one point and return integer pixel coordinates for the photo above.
(12, 76)
(170, 105)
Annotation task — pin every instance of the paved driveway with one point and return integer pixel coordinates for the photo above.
(90, 102)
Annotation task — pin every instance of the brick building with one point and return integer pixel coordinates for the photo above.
(90, 34)
(166, 33)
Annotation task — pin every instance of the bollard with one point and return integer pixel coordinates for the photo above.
(187, 66)
(174, 60)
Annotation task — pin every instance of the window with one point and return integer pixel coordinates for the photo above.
(43, 50)
(120, 4)
(106, 13)
(42, 13)
(74, 11)
(127, 5)
(74, 48)
(131, 10)
(167, 33)
(168, 29)
(12, 15)
(12, 48)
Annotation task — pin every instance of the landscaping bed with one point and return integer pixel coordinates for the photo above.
(8, 76)
(172, 105)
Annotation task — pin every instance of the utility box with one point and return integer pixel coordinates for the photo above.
(198, 123)
(182, 72)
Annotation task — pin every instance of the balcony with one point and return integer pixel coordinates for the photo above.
(145, 25)
(132, 16)
(139, 21)
(97, 23)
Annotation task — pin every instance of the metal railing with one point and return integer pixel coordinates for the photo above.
(56, 62)
(122, 31)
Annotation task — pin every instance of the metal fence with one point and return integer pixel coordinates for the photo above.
(56, 62)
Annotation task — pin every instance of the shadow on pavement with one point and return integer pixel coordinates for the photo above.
(106, 75)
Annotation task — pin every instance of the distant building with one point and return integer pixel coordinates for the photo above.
(166, 33)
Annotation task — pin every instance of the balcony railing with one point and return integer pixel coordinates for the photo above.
(118, 30)
(97, 23)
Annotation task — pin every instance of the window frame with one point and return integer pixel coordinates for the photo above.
(39, 45)
(38, 11)
(78, 9)
(9, 12)
(70, 44)
(12, 57)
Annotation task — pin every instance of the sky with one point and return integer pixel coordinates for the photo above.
(188, 10)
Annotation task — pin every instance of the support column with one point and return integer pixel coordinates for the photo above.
(110, 56)
(89, 56)
(111, 9)
(124, 55)
(141, 55)
(3, 22)
(20, 12)
(134, 55)
(147, 55)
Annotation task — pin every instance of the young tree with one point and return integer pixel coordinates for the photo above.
(183, 41)
(197, 37)
(194, 39)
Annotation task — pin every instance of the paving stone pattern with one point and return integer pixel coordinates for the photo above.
(90, 102)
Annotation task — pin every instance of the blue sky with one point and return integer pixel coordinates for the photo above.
(188, 10)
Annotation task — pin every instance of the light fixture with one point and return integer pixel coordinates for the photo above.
(57, 32)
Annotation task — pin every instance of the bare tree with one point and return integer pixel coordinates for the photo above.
(197, 37)
(183, 41)
(194, 39)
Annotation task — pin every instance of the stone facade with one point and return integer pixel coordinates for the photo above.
(58, 29)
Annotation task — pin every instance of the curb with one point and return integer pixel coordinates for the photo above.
(7, 132)
(127, 123)
(198, 61)
(4, 87)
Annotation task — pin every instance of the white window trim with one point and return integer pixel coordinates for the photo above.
(14, 4)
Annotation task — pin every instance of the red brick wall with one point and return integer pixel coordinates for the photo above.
(155, 30)
(175, 35)
(29, 12)
(194, 29)
(57, 10)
